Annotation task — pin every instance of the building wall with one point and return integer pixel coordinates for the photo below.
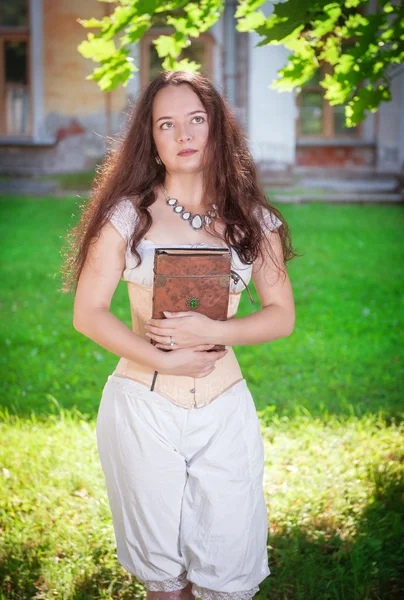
(390, 125)
(271, 114)
(73, 105)
(272, 123)
(73, 117)
(348, 156)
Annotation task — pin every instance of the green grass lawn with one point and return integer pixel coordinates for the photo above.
(71, 181)
(329, 398)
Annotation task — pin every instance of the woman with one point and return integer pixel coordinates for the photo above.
(183, 462)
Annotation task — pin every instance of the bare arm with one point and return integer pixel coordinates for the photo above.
(277, 317)
(96, 286)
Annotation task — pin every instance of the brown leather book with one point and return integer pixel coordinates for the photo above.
(196, 279)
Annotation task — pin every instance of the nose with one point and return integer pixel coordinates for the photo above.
(183, 135)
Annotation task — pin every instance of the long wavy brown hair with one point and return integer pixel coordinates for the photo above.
(130, 170)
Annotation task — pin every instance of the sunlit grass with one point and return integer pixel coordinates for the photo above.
(329, 398)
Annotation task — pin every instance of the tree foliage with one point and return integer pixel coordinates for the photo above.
(357, 51)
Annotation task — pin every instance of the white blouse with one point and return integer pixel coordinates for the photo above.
(124, 218)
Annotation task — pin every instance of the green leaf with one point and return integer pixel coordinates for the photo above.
(333, 10)
(91, 22)
(293, 9)
(324, 25)
(181, 65)
(183, 26)
(167, 45)
(116, 71)
(204, 15)
(135, 31)
(148, 7)
(345, 63)
(121, 18)
(353, 3)
(245, 7)
(251, 21)
(367, 98)
(331, 50)
(296, 73)
(277, 31)
(388, 8)
(97, 48)
(337, 91)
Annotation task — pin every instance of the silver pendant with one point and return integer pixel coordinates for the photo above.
(196, 221)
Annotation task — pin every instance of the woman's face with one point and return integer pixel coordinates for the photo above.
(180, 128)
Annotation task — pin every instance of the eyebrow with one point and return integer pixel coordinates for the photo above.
(188, 114)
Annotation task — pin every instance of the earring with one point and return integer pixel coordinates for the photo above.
(158, 160)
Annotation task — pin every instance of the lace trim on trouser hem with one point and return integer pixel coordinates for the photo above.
(180, 582)
(206, 594)
(168, 585)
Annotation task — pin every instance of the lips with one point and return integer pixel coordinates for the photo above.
(187, 152)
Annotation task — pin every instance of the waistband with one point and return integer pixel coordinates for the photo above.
(130, 385)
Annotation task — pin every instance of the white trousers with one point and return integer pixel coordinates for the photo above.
(185, 487)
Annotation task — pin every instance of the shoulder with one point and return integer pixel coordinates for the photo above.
(269, 221)
(123, 217)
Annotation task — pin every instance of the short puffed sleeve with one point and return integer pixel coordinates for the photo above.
(269, 220)
(123, 217)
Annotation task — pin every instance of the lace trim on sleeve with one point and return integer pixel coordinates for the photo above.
(271, 221)
(123, 218)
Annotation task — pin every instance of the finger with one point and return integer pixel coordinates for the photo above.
(163, 339)
(156, 322)
(165, 346)
(160, 330)
(159, 323)
(218, 355)
(205, 372)
(202, 347)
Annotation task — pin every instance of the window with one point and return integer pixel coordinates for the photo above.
(200, 51)
(317, 118)
(15, 101)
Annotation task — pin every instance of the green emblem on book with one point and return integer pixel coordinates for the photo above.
(193, 302)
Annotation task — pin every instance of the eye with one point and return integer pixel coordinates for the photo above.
(201, 119)
(165, 123)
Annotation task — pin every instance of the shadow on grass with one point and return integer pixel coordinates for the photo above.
(322, 565)
(22, 576)
(105, 584)
(20, 570)
(368, 566)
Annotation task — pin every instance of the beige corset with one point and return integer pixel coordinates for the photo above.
(183, 391)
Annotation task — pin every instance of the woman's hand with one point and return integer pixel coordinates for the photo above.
(193, 362)
(186, 329)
